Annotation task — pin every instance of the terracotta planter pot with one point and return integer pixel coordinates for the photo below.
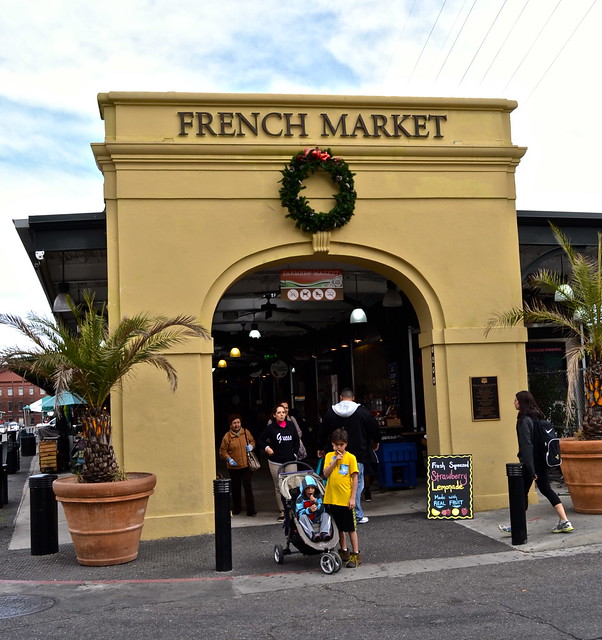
(105, 519)
(582, 471)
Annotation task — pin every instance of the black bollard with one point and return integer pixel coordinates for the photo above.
(223, 525)
(4, 483)
(518, 508)
(44, 527)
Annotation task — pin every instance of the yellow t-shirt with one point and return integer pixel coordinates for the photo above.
(340, 481)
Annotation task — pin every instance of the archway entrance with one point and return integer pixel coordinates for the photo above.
(272, 345)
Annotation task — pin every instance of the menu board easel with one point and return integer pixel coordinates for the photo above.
(449, 482)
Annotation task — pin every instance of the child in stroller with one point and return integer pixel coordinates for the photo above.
(311, 513)
(305, 539)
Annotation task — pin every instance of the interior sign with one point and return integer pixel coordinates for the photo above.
(311, 285)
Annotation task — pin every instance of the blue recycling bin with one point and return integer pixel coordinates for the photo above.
(397, 465)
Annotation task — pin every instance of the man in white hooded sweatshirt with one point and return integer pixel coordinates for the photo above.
(363, 432)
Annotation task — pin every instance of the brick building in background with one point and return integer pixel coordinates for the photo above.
(15, 394)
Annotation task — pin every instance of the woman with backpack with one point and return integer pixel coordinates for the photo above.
(533, 460)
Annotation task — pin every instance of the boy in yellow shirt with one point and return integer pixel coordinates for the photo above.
(340, 467)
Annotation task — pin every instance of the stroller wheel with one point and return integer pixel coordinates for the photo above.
(278, 554)
(328, 563)
(338, 562)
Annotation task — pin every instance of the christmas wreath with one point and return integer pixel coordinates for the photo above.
(306, 164)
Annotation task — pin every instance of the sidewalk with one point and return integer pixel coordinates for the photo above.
(398, 531)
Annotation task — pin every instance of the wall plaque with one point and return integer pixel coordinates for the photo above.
(484, 398)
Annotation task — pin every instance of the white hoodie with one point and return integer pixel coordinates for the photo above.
(345, 408)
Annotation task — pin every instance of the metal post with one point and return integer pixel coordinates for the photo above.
(223, 525)
(44, 527)
(518, 508)
(4, 483)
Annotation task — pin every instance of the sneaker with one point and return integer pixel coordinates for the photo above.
(563, 527)
(363, 520)
(325, 537)
(368, 495)
(316, 537)
(506, 529)
(280, 518)
(344, 554)
(354, 560)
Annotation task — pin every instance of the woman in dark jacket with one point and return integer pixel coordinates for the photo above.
(280, 441)
(533, 460)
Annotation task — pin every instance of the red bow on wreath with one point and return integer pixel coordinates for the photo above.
(316, 154)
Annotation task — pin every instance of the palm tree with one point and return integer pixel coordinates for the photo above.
(91, 361)
(579, 311)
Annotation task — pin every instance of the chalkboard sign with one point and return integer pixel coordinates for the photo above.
(449, 483)
(485, 398)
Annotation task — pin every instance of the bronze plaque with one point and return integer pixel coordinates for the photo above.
(485, 398)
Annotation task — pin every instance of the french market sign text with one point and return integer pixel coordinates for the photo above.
(288, 125)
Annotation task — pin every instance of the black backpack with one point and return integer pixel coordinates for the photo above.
(546, 444)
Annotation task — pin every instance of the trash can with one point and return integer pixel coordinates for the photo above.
(13, 459)
(28, 444)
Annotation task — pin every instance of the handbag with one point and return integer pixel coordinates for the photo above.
(254, 464)
(253, 461)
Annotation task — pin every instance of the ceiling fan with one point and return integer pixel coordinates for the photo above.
(269, 307)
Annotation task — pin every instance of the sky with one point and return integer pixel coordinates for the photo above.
(55, 57)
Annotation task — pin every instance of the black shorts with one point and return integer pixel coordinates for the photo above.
(344, 517)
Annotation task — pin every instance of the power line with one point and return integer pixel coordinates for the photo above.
(427, 40)
(456, 40)
(505, 40)
(520, 64)
(398, 41)
(451, 29)
(483, 40)
(561, 50)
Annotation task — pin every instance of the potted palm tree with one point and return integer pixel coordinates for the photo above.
(578, 310)
(90, 361)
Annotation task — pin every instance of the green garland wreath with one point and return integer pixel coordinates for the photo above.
(300, 167)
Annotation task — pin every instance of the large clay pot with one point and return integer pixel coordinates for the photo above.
(105, 519)
(582, 471)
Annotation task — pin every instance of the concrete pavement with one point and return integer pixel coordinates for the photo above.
(398, 534)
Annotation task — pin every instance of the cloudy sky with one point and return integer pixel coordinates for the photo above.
(55, 57)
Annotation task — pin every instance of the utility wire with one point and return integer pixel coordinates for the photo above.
(451, 29)
(520, 64)
(427, 40)
(456, 40)
(483, 41)
(505, 40)
(397, 43)
(561, 50)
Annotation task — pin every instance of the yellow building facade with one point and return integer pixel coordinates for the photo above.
(192, 204)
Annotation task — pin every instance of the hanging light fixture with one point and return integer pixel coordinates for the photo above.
(358, 315)
(392, 297)
(222, 364)
(61, 302)
(235, 352)
(254, 333)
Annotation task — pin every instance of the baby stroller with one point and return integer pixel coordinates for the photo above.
(290, 486)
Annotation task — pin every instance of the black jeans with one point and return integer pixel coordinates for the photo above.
(241, 477)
